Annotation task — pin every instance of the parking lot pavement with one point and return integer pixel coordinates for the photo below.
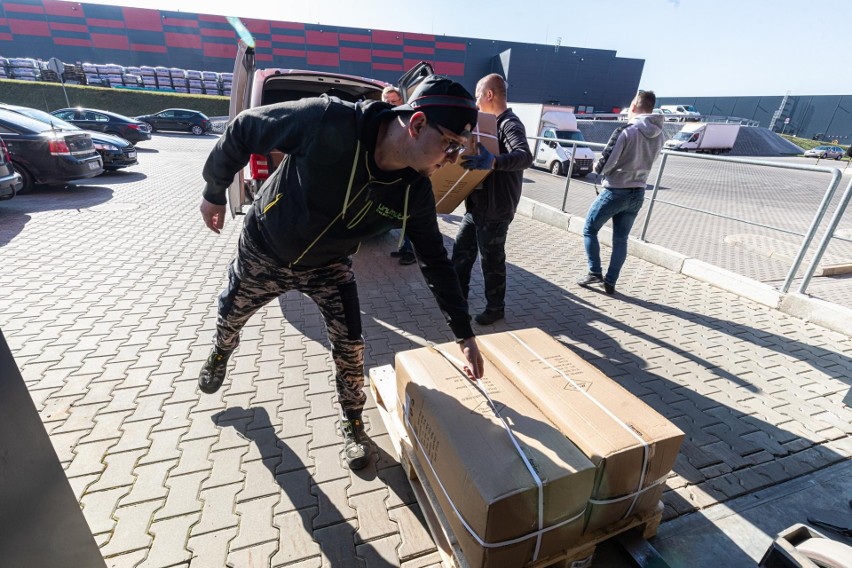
(108, 303)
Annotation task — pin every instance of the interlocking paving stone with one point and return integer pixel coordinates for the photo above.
(131, 531)
(226, 468)
(337, 545)
(211, 549)
(169, 545)
(379, 553)
(119, 471)
(296, 542)
(149, 484)
(258, 556)
(255, 523)
(295, 488)
(416, 539)
(373, 520)
(333, 503)
(129, 560)
(99, 507)
(183, 495)
(164, 446)
(88, 458)
(218, 512)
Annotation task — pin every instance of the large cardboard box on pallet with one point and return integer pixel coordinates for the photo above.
(633, 446)
(452, 183)
(488, 493)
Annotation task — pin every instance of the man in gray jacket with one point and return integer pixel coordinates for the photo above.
(625, 165)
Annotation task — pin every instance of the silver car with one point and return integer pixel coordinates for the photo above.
(825, 152)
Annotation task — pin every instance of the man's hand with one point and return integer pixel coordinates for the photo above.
(213, 215)
(475, 365)
(484, 160)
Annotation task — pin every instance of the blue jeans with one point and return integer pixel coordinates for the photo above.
(622, 206)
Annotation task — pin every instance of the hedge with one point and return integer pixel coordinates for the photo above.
(49, 97)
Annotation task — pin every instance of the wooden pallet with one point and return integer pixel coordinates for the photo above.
(383, 386)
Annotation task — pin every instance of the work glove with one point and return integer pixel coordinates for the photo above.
(484, 160)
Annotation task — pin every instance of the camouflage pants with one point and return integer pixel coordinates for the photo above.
(489, 241)
(254, 280)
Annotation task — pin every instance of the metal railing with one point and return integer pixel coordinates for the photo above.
(808, 236)
(603, 116)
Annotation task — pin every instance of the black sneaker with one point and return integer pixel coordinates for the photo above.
(489, 317)
(214, 370)
(354, 441)
(407, 258)
(609, 288)
(590, 279)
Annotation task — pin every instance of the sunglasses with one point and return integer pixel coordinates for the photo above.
(453, 147)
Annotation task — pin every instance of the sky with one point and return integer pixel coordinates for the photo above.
(690, 47)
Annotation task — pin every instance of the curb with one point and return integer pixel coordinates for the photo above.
(826, 314)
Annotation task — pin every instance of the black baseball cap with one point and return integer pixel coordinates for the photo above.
(444, 102)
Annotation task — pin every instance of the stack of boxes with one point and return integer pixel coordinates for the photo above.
(533, 459)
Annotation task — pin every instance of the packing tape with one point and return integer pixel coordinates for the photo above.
(537, 534)
(616, 419)
(477, 383)
(629, 495)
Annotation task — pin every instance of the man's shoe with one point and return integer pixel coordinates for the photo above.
(590, 279)
(354, 441)
(609, 288)
(214, 370)
(396, 254)
(407, 258)
(488, 317)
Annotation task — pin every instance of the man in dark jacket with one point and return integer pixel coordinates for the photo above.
(491, 208)
(351, 172)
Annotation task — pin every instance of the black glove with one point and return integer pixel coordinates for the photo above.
(484, 160)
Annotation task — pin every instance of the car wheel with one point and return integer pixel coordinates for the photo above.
(150, 126)
(556, 168)
(197, 130)
(26, 177)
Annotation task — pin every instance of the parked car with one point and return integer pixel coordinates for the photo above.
(115, 151)
(182, 119)
(682, 113)
(825, 152)
(10, 180)
(106, 122)
(43, 154)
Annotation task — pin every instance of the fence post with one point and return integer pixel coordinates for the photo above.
(568, 174)
(653, 197)
(829, 233)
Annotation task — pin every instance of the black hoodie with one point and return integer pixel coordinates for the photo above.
(328, 195)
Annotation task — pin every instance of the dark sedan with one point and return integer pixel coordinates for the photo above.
(182, 119)
(115, 151)
(106, 122)
(10, 180)
(43, 154)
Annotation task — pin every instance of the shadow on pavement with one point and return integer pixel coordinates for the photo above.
(121, 176)
(320, 518)
(16, 213)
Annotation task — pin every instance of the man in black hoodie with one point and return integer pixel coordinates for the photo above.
(351, 172)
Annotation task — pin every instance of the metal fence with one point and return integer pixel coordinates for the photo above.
(807, 236)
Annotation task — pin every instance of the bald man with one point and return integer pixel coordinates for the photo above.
(491, 207)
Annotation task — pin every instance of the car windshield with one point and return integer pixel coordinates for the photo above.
(689, 108)
(682, 136)
(47, 118)
(575, 135)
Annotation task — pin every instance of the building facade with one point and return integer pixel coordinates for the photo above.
(591, 80)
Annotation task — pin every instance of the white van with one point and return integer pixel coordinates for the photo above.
(560, 125)
(682, 112)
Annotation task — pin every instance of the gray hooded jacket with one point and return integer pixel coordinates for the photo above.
(627, 159)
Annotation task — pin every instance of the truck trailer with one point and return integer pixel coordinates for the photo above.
(709, 138)
(560, 125)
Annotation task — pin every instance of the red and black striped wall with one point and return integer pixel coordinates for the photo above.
(89, 33)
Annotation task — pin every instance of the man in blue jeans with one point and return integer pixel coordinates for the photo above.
(625, 165)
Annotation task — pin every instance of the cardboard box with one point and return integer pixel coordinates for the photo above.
(452, 183)
(483, 486)
(633, 446)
